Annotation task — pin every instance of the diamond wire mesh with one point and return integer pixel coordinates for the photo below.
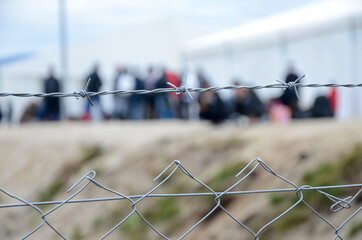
(338, 204)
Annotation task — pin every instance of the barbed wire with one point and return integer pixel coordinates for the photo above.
(182, 89)
(338, 204)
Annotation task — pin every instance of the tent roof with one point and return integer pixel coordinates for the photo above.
(303, 21)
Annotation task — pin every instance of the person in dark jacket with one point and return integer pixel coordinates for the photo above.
(137, 105)
(51, 104)
(149, 84)
(321, 108)
(95, 82)
(96, 113)
(289, 97)
(247, 103)
(212, 107)
(162, 101)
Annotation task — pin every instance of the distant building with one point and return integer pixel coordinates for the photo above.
(323, 39)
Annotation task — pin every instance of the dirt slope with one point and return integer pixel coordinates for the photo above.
(40, 162)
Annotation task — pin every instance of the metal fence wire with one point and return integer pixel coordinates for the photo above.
(337, 204)
(182, 89)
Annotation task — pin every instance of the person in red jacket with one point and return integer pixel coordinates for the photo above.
(333, 99)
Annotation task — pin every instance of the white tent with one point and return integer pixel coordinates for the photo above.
(323, 39)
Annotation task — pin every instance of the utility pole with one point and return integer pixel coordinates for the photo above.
(63, 50)
(356, 100)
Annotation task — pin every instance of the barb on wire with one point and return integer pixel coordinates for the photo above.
(338, 203)
(182, 89)
(84, 93)
(292, 85)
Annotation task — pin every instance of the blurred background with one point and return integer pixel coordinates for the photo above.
(142, 44)
(56, 45)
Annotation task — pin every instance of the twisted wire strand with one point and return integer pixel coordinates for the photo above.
(202, 194)
(341, 203)
(182, 89)
(80, 94)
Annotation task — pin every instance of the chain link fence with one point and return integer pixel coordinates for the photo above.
(337, 204)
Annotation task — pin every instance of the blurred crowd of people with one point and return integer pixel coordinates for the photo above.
(243, 106)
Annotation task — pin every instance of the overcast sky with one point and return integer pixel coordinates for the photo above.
(32, 25)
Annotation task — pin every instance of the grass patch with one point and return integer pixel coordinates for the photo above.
(97, 222)
(77, 233)
(225, 176)
(165, 209)
(90, 152)
(291, 220)
(134, 227)
(165, 212)
(356, 228)
(342, 172)
(52, 190)
(112, 217)
(87, 154)
(346, 170)
(276, 199)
